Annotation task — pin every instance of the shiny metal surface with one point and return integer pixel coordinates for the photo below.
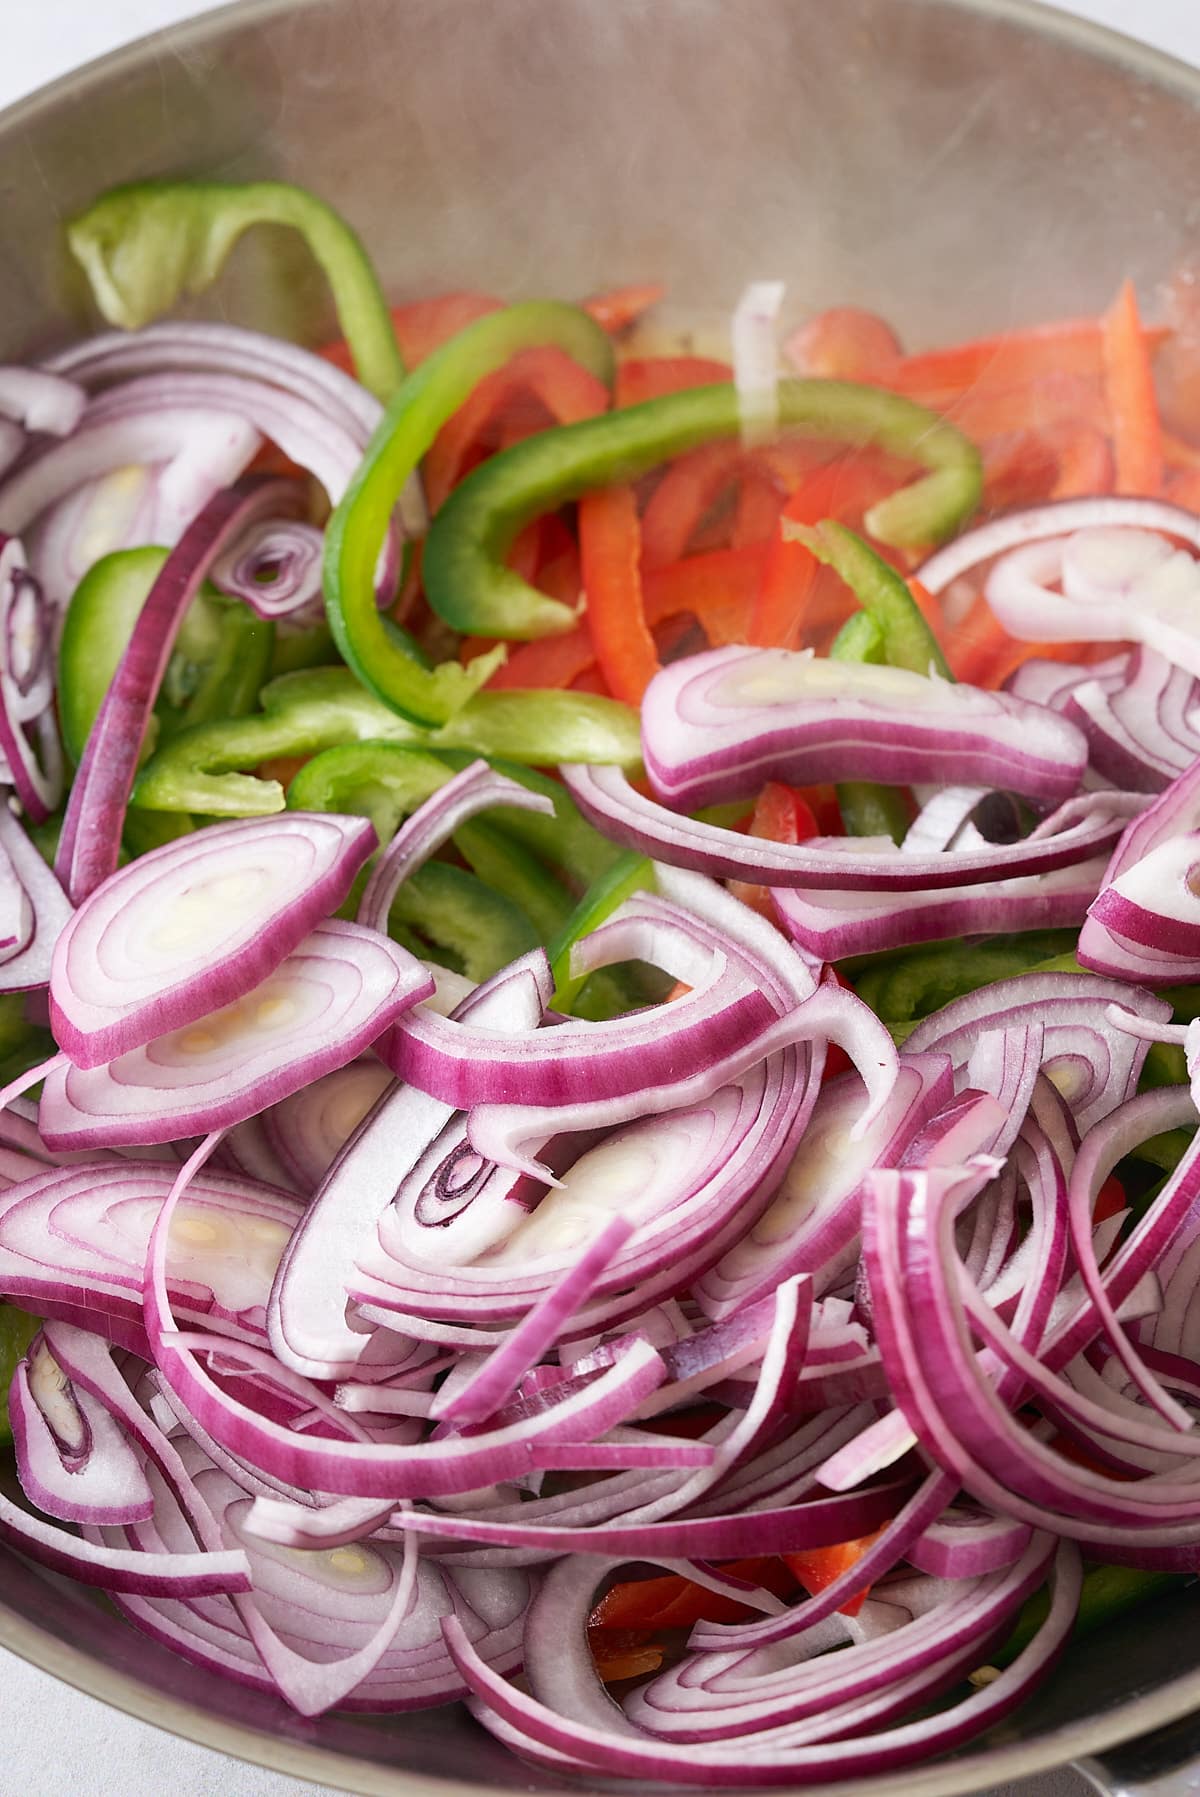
(962, 165)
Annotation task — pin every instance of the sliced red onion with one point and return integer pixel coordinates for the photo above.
(533, 1728)
(1077, 830)
(511, 1134)
(1052, 683)
(324, 1004)
(497, 1377)
(965, 1543)
(41, 401)
(1140, 731)
(1033, 525)
(1116, 583)
(1127, 935)
(276, 569)
(194, 925)
(1094, 1064)
(307, 435)
(27, 688)
(89, 846)
(835, 925)
(202, 448)
(716, 725)
(136, 1571)
(73, 1241)
(706, 1699)
(755, 359)
(1156, 902)
(73, 1460)
(464, 1065)
(942, 817)
(475, 789)
(309, 1130)
(811, 1225)
(26, 652)
(307, 1321)
(228, 350)
(677, 1175)
(819, 1522)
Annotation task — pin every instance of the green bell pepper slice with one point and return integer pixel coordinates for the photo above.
(629, 873)
(525, 856)
(219, 661)
(467, 584)
(147, 245)
(448, 913)
(867, 808)
(17, 1330)
(1106, 1593)
(901, 989)
(888, 629)
(353, 541)
(206, 769)
(907, 640)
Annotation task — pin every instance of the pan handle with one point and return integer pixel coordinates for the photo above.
(1163, 1764)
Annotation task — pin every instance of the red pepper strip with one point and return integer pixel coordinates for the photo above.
(1133, 407)
(567, 391)
(591, 681)
(1010, 359)
(817, 1568)
(623, 1653)
(558, 573)
(1059, 462)
(982, 653)
(837, 1061)
(610, 553)
(781, 814)
(844, 486)
(1085, 464)
(525, 555)
(1109, 1200)
(621, 307)
(929, 607)
(1183, 488)
(845, 343)
(653, 377)
(424, 325)
(1179, 453)
(717, 589)
(1052, 401)
(673, 1602)
(688, 490)
(756, 514)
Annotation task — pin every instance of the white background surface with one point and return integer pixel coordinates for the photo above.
(54, 1742)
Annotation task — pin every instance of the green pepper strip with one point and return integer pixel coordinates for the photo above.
(467, 584)
(628, 874)
(1107, 1592)
(867, 808)
(219, 661)
(147, 245)
(204, 769)
(888, 629)
(449, 909)
(355, 535)
(908, 641)
(387, 782)
(903, 989)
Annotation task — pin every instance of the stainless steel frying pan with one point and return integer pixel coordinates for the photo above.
(959, 164)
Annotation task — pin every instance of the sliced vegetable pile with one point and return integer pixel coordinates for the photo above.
(581, 1210)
